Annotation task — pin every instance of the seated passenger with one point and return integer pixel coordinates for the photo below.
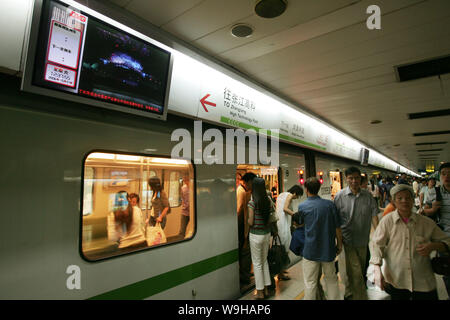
(160, 203)
(134, 201)
(405, 240)
(127, 222)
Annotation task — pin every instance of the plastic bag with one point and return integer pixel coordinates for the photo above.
(155, 235)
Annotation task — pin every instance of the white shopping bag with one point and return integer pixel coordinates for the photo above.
(155, 235)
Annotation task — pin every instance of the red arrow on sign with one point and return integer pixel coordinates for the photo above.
(203, 102)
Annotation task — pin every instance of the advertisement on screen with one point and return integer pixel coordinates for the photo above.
(81, 55)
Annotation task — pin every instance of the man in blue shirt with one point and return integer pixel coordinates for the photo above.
(323, 241)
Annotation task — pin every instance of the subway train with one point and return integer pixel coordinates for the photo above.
(63, 164)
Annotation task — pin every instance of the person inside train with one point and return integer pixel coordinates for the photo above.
(407, 271)
(128, 225)
(160, 203)
(259, 210)
(185, 209)
(323, 241)
(243, 194)
(284, 213)
(357, 210)
(134, 200)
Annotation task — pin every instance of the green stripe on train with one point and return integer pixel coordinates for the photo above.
(243, 125)
(162, 282)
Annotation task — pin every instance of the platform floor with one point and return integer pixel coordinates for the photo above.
(294, 289)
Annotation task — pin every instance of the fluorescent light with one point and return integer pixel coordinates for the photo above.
(169, 161)
(98, 155)
(127, 158)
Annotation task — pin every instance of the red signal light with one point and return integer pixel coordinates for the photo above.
(321, 181)
(302, 181)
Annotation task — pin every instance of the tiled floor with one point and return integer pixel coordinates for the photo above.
(294, 289)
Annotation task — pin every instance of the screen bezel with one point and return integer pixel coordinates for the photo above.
(30, 46)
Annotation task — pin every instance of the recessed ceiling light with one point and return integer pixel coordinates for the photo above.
(270, 8)
(375, 121)
(241, 30)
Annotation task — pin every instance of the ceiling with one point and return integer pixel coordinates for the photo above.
(321, 55)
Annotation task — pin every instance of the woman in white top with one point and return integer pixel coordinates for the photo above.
(284, 214)
(128, 221)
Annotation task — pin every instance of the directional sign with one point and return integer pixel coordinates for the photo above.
(203, 102)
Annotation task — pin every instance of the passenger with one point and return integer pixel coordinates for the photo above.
(416, 187)
(128, 222)
(275, 191)
(389, 185)
(335, 187)
(382, 187)
(185, 208)
(444, 203)
(259, 209)
(422, 191)
(284, 214)
(134, 201)
(364, 183)
(243, 194)
(429, 196)
(389, 208)
(323, 241)
(402, 179)
(405, 240)
(357, 210)
(374, 190)
(160, 203)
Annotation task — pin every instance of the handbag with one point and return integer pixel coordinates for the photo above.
(441, 264)
(298, 241)
(277, 257)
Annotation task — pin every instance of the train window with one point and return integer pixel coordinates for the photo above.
(132, 203)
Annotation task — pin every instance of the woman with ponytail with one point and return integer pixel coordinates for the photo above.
(259, 210)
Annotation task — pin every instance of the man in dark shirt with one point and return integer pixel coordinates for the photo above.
(323, 241)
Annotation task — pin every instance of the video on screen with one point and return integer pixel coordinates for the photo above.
(121, 69)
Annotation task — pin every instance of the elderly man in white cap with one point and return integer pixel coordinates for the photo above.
(405, 240)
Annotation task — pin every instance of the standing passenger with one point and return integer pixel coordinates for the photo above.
(243, 194)
(185, 212)
(405, 240)
(284, 214)
(357, 210)
(160, 203)
(259, 209)
(323, 241)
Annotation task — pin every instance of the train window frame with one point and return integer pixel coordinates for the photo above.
(122, 252)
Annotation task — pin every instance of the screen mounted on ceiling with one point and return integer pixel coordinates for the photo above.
(77, 56)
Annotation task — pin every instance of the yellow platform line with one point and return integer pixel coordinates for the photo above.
(300, 296)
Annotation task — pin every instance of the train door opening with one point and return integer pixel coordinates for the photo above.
(336, 182)
(243, 196)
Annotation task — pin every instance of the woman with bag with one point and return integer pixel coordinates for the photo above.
(259, 210)
(160, 203)
(403, 242)
(284, 214)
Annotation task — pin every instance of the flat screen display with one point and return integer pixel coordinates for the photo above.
(81, 55)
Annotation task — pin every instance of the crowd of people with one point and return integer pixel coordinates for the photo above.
(415, 223)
